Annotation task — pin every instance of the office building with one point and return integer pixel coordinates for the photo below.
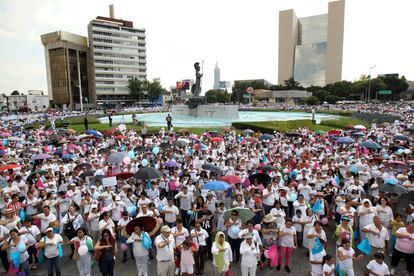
(118, 53)
(216, 77)
(37, 100)
(310, 48)
(66, 57)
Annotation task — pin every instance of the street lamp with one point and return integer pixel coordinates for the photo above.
(369, 82)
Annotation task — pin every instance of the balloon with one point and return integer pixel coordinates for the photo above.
(354, 169)
(159, 220)
(21, 247)
(258, 227)
(324, 221)
(156, 150)
(266, 254)
(189, 212)
(104, 209)
(82, 250)
(131, 154)
(126, 160)
(144, 162)
(124, 247)
(132, 210)
(161, 208)
(286, 171)
(391, 181)
(407, 151)
(234, 230)
(400, 151)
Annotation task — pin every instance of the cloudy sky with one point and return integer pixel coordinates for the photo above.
(242, 35)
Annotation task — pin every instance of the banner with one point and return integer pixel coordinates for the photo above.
(109, 181)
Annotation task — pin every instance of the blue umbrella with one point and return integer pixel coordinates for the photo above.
(402, 138)
(94, 132)
(171, 164)
(345, 140)
(371, 145)
(216, 185)
(265, 137)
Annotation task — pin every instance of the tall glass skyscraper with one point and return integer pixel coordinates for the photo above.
(310, 48)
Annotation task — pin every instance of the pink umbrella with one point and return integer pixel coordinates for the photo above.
(72, 147)
(5, 134)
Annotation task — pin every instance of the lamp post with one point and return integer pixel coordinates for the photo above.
(369, 83)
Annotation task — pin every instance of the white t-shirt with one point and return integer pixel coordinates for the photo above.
(23, 256)
(329, 269)
(110, 226)
(347, 263)
(31, 234)
(280, 216)
(317, 268)
(379, 269)
(287, 240)
(181, 238)
(51, 249)
(377, 240)
(171, 217)
(45, 221)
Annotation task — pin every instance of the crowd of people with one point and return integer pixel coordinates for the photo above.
(227, 198)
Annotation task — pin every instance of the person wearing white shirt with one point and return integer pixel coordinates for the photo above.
(250, 230)
(32, 234)
(304, 189)
(346, 256)
(74, 194)
(179, 232)
(107, 223)
(140, 252)
(377, 235)
(279, 214)
(377, 267)
(171, 212)
(186, 199)
(288, 242)
(268, 198)
(165, 244)
(93, 220)
(328, 267)
(199, 237)
(316, 261)
(250, 253)
(50, 243)
(47, 218)
(4, 234)
(221, 249)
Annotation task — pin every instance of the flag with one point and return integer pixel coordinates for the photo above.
(365, 247)
(183, 85)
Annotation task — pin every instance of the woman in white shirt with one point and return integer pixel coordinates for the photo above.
(308, 223)
(346, 256)
(384, 211)
(328, 267)
(222, 254)
(13, 244)
(279, 214)
(233, 237)
(250, 253)
(140, 252)
(366, 215)
(83, 262)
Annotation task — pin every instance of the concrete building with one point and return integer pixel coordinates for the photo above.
(37, 100)
(66, 57)
(16, 102)
(118, 53)
(280, 96)
(310, 48)
(216, 77)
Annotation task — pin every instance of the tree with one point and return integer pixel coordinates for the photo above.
(15, 93)
(312, 100)
(341, 88)
(291, 84)
(240, 88)
(136, 88)
(332, 99)
(217, 96)
(397, 85)
(154, 89)
(321, 94)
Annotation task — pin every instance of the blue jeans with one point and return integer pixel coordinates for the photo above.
(53, 263)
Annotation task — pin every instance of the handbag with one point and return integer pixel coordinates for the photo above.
(97, 255)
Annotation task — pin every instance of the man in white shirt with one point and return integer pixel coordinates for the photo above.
(185, 203)
(47, 218)
(250, 253)
(377, 267)
(171, 212)
(377, 235)
(268, 198)
(75, 195)
(165, 244)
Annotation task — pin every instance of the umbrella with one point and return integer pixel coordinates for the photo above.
(244, 214)
(231, 179)
(409, 130)
(42, 156)
(124, 175)
(261, 178)
(248, 131)
(8, 167)
(171, 164)
(371, 145)
(393, 189)
(213, 168)
(345, 140)
(140, 148)
(360, 127)
(216, 139)
(216, 185)
(148, 224)
(94, 132)
(32, 174)
(320, 132)
(395, 148)
(292, 134)
(398, 165)
(85, 166)
(266, 137)
(165, 145)
(87, 173)
(117, 157)
(403, 201)
(13, 138)
(69, 156)
(358, 133)
(120, 136)
(267, 168)
(180, 144)
(109, 132)
(334, 132)
(402, 138)
(147, 173)
(199, 146)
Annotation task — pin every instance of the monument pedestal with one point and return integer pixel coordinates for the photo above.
(213, 111)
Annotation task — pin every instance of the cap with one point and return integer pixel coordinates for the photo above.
(345, 218)
(49, 229)
(269, 218)
(248, 236)
(165, 228)
(342, 193)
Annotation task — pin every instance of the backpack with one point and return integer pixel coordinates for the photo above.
(70, 230)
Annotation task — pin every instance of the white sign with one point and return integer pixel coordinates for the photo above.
(109, 181)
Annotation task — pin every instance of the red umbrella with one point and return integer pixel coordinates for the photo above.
(231, 179)
(334, 132)
(216, 139)
(120, 137)
(8, 167)
(124, 175)
(148, 224)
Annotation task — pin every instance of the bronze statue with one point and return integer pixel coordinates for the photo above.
(196, 88)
